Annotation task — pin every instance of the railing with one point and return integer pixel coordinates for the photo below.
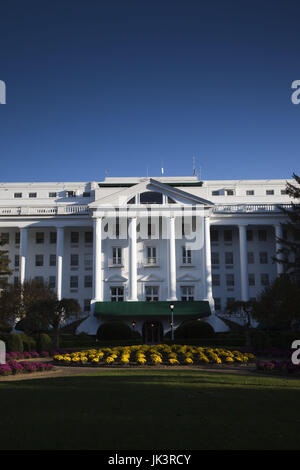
(44, 211)
(248, 208)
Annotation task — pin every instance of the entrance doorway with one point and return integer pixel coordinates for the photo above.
(152, 332)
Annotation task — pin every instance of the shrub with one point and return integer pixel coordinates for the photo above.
(29, 343)
(193, 329)
(14, 343)
(44, 342)
(114, 330)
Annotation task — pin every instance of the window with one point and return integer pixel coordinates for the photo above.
(217, 303)
(229, 280)
(5, 238)
(215, 279)
(32, 194)
(17, 238)
(16, 280)
(249, 235)
(264, 279)
(52, 194)
(73, 282)
(187, 293)
(131, 201)
(53, 237)
(186, 255)
(151, 293)
(228, 257)
(262, 235)
(16, 195)
(39, 237)
(117, 255)
(215, 193)
(52, 260)
(117, 294)
(151, 255)
(215, 259)
(251, 279)
(75, 237)
(71, 194)
(230, 301)
(263, 257)
(229, 192)
(250, 192)
(39, 260)
(74, 260)
(86, 305)
(270, 192)
(283, 191)
(88, 281)
(52, 282)
(151, 230)
(250, 257)
(170, 200)
(151, 197)
(88, 261)
(39, 279)
(88, 237)
(86, 194)
(228, 235)
(17, 261)
(214, 235)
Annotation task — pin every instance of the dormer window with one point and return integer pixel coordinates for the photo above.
(71, 194)
(215, 193)
(229, 192)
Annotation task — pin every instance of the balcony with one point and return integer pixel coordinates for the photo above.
(249, 208)
(44, 211)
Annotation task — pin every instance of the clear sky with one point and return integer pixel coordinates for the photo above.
(123, 85)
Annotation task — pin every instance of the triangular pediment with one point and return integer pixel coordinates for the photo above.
(116, 278)
(121, 198)
(187, 278)
(151, 278)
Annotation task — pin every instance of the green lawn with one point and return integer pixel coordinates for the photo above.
(148, 409)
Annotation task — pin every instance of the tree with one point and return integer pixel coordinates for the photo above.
(278, 304)
(289, 252)
(61, 311)
(5, 271)
(242, 310)
(35, 304)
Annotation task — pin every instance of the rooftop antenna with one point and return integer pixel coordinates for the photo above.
(194, 167)
(162, 168)
(200, 173)
(106, 172)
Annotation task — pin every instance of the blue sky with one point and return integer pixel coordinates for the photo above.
(124, 85)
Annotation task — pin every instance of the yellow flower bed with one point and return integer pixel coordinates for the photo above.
(161, 354)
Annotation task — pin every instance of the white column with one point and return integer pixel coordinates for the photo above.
(172, 258)
(243, 263)
(59, 260)
(207, 271)
(278, 234)
(132, 260)
(23, 253)
(97, 260)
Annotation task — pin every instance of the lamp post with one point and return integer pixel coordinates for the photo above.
(172, 321)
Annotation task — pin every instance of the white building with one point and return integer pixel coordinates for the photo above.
(120, 243)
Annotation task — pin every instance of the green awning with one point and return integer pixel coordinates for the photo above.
(150, 309)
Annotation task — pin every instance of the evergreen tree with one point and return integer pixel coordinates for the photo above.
(289, 252)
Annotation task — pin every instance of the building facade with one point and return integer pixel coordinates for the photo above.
(128, 248)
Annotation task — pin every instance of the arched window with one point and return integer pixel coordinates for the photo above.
(151, 197)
